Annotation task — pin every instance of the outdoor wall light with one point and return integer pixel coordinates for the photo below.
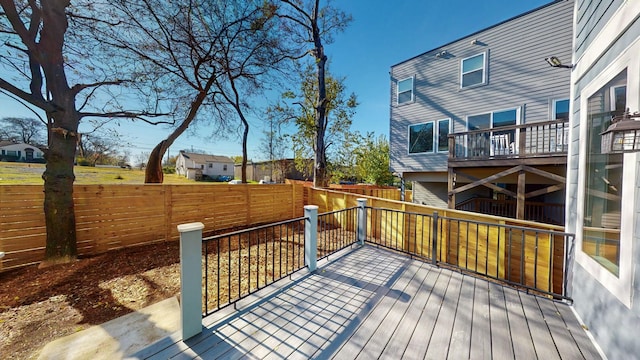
(623, 135)
(442, 53)
(553, 61)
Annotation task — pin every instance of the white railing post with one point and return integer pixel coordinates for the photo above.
(362, 220)
(311, 236)
(191, 278)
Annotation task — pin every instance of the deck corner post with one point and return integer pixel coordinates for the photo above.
(311, 236)
(362, 220)
(190, 279)
(434, 239)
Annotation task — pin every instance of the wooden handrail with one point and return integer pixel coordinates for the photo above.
(511, 127)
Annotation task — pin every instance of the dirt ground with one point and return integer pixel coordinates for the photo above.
(41, 305)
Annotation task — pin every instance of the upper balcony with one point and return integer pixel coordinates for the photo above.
(540, 143)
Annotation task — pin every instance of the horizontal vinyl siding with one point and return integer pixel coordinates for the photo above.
(591, 17)
(517, 76)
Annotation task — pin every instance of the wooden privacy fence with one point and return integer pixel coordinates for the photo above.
(115, 216)
(521, 252)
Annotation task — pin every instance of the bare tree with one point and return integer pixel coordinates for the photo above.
(206, 57)
(310, 25)
(39, 50)
(27, 130)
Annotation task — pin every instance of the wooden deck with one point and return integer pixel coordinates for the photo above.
(372, 303)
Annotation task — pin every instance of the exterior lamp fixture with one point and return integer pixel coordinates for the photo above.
(623, 135)
(553, 61)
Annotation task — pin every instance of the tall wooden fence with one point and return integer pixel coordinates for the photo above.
(530, 259)
(115, 216)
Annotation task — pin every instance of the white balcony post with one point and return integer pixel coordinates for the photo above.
(191, 278)
(362, 220)
(311, 236)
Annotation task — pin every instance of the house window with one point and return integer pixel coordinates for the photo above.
(493, 119)
(405, 90)
(421, 138)
(443, 135)
(603, 186)
(473, 70)
(201, 167)
(492, 143)
(210, 166)
(560, 109)
(224, 167)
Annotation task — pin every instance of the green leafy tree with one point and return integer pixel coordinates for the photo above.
(310, 25)
(373, 160)
(300, 110)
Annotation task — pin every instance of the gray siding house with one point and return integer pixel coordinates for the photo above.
(603, 188)
(487, 87)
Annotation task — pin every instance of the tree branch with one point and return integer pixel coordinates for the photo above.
(79, 87)
(129, 115)
(29, 98)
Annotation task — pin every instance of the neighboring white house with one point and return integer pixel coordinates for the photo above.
(603, 187)
(21, 152)
(194, 166)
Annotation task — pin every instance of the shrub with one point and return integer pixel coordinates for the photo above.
(169, 169)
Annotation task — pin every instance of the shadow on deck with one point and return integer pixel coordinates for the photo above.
(375, 303)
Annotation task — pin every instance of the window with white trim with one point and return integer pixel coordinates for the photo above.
(560, 109)
(429, 137)
(405, 90)
(444, 127)
(473, 70)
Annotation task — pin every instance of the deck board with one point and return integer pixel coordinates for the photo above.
(501, 345)
(461, 336)
(481, 325)
(374, 303)
(520, 334)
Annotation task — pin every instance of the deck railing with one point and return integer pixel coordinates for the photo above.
(240, 263)
(526, 257)
(337, 230)
(533, 211)
(529, 140)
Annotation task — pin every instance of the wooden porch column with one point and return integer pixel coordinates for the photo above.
(521, 195)
(451, 197)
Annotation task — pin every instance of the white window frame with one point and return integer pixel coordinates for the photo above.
(620, 286)
(413, 87)
(485, 56)
(612, 96)
(409, 139)
(518, 110)
(436, 134)
(553, 108)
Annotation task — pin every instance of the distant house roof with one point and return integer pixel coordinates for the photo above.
(6, 143)
(204, 158)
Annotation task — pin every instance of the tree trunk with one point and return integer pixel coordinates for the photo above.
(320, 161)
(153, 173)
(58, 192)
(245, 135)
(63, 126)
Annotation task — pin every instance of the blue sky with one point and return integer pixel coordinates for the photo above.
(383, 33)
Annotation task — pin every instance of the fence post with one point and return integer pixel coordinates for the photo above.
(434, 239)
(362, 220)
(191, 278)
(311, 236)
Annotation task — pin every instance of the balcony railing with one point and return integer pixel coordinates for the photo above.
(516, 141)
(533, 211)
(238, 264)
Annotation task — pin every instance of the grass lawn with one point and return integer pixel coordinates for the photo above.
(31, 174)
